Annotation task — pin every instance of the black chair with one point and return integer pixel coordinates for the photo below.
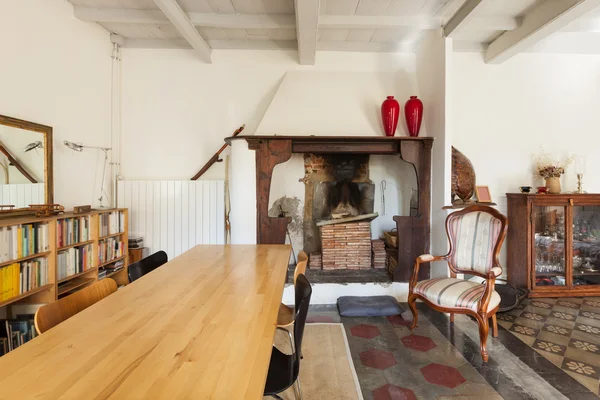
(146, 265)
(285, 368)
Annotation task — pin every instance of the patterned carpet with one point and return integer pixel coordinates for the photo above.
(565, 331)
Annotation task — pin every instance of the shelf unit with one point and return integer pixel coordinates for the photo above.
(51, 291)
(558, 233)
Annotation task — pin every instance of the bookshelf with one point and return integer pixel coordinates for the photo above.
(69, 239)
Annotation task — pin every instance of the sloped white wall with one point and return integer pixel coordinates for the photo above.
(434, 62)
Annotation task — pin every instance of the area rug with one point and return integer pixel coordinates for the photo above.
(565, 331)
(326, 371)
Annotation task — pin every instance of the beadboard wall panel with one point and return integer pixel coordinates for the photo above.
(22, 194)
(174, 216)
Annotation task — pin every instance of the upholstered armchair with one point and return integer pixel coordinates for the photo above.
(476, 235)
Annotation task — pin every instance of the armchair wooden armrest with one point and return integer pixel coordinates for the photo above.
(424, 258)
(490, 283)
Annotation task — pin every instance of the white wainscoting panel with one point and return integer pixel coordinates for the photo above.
(22, 194)
(174, 216)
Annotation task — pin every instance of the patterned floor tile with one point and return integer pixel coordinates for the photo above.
(570, 303)
(563, 315)
(592, 303)
(585, 346)
(558, 330)
(581, 368)
(540, 304)
(533, 316)
(524, 330)
(550, 347)
(506, 317)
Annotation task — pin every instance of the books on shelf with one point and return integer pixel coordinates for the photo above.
(16, 332)
(111, 223)
(74, 260)
(19, 241)
(19, 278)
(109, 249)
(72, 230)
(110, 269)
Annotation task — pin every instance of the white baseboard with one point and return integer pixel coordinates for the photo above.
(328, 293)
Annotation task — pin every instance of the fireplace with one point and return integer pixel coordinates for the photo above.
(347, 189)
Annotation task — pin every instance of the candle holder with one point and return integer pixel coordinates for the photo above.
(580, 183)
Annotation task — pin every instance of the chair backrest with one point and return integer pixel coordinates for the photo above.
(476, 235)
(138, 269)
(301, 266)
(50, 315)
(302, 291)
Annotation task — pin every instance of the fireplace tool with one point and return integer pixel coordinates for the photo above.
(383, 186)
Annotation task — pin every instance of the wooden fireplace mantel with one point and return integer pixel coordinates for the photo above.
(413, 232)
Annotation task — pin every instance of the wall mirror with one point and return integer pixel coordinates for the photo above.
(25, 163)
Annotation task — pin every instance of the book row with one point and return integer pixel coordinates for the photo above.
(110, 249)
(19, 241)
(74, 260)
(111, 223)
(19, 278)
(72, 230)
(16, 332)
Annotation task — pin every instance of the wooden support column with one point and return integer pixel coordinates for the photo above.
(269, 153)
(414, 232)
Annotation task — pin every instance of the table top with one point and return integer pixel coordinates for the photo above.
(199, 327)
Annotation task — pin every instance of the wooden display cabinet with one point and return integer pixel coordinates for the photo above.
(553, 244)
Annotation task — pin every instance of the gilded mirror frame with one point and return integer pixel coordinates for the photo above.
(48, 160)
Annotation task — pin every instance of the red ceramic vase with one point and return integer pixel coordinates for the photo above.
(413, 112)
(390, 111)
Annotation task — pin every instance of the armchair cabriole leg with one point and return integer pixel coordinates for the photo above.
(484, 329)
(412, 303)
(494, 326)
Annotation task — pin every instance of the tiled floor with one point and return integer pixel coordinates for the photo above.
(442, 361)
(565, 331)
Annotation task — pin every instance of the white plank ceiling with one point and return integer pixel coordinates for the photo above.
(500, 28)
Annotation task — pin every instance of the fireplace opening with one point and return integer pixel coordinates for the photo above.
(344, 200)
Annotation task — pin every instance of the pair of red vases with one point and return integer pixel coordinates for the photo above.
(413, 112)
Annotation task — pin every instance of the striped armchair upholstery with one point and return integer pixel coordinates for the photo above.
(475, 235)
(455, 293)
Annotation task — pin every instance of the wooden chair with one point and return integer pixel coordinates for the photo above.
(138, 269)
(476, 235)
(52, 314)
(285, 318)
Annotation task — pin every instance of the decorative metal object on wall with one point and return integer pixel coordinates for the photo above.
(463, 178)
(390, 111)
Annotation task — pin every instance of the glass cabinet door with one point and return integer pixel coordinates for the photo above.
(549, 246)
(586, 245)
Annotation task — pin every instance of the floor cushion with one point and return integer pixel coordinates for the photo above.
(454, 293)
(368, 306)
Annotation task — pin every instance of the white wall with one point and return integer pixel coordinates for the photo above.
(434, 62)
(55, 70)
(503, 114)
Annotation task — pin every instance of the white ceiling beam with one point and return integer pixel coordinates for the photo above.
(156, 44)
(461, 18)
(547, 18)
(492, 24)
(185, 27)
(460, 46)
(307, 22)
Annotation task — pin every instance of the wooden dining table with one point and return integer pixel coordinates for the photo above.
(199, 327)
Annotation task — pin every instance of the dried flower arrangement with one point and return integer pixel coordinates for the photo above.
(547, 166)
